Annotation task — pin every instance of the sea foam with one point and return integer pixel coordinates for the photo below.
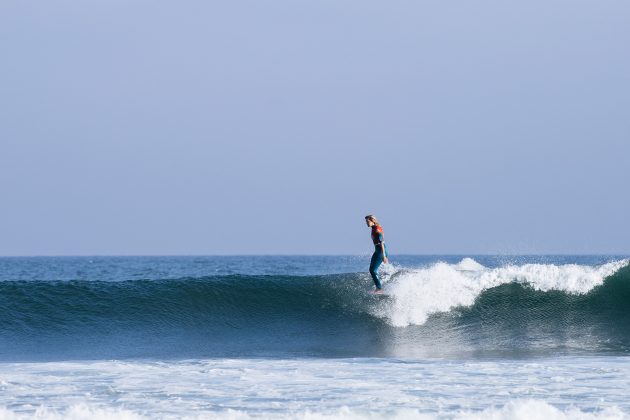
(417, 293)
(358, 388)
(514, 410)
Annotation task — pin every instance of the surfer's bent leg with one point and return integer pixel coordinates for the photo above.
(377, 259)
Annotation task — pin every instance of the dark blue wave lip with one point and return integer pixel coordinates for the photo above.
(296, 316)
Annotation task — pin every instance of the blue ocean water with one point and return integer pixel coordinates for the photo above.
(303, 337)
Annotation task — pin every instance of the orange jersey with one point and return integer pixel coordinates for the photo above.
(377, 234)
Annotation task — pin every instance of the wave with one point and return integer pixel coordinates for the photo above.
(442, 287)
(440, 306)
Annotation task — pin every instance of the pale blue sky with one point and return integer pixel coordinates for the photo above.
(236, 127)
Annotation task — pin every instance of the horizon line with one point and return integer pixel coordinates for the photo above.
(604, 254)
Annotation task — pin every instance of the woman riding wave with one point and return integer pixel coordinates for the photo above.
(380, 250)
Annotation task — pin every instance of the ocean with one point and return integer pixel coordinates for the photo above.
(453, 337)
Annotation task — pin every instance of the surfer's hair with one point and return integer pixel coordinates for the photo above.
(371, 218)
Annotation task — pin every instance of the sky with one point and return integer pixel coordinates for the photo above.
(137, 127)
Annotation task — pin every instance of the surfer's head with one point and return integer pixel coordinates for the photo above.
(370, 220)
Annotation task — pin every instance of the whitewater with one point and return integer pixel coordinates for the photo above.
(442, 287)
(455, 337)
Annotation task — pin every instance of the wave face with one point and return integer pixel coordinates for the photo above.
(438, 310)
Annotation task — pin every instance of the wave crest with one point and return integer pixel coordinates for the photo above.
(416, 294)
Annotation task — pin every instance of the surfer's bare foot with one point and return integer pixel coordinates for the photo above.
(378, 291)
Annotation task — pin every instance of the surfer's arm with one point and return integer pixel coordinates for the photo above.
(383, 249)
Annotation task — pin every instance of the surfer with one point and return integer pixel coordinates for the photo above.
(380, 250)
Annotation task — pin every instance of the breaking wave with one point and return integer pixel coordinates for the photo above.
(465, 304)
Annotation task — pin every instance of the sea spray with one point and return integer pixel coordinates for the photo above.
(416, 294)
